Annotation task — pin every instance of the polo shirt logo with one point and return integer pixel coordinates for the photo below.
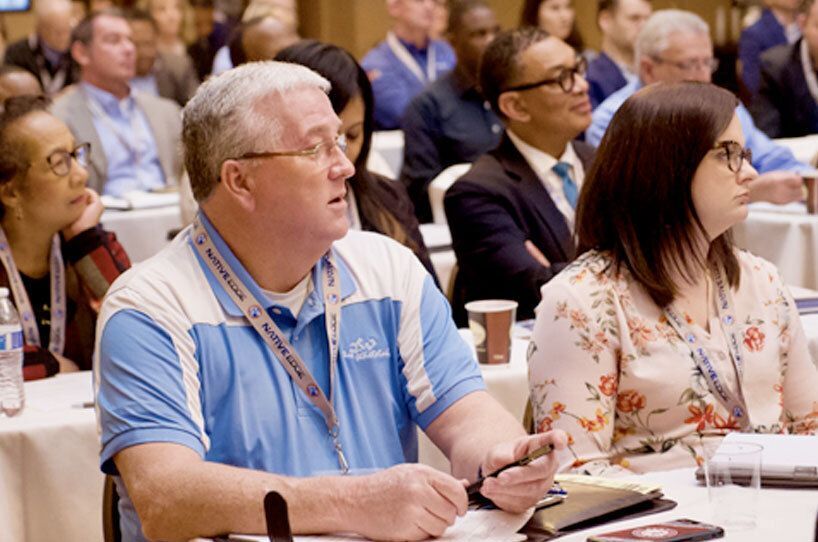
(362, 350)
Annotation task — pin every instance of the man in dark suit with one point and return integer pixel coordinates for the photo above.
(787, 101)
(45, 53)
(776, 26)
(512, 214)
(620, 22)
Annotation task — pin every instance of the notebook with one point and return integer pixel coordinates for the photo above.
(786, 460)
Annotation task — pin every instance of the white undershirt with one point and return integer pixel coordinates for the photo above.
(542, 164)
(295, 298)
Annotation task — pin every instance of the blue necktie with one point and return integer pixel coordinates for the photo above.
(569, 187)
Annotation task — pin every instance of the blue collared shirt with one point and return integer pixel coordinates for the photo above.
(177, 362)
(767, 155)
(127, 141)
(145, 84)
(394, 85)
(446, 124)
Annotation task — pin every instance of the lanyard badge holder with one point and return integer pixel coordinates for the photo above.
(275, 339)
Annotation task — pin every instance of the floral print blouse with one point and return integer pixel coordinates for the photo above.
(606, 367)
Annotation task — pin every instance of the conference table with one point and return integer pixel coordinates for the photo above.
(142, 232)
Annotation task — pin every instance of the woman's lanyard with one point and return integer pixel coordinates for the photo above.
(733, 401)
(56, 341)
(411, 63)
(275, 339)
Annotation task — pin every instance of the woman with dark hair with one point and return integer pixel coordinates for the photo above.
(375, 202)
(662, 333)
(557, 17)
(56, 259)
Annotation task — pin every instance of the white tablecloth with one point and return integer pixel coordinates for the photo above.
(785, 515)
(786, 236)
(143, 232)
(50, 482)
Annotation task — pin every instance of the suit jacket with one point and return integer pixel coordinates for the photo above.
(784, 107)
(492, 210)
(164, 118)
(28, 54)
(175, 77)
(604, 78)
(765, 33)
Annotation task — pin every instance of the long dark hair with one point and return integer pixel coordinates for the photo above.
(349, 80)
(530, 16)
(636, 200)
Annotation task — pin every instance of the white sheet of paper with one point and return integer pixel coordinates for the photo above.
(485, 525)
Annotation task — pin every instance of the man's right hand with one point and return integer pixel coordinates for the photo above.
(406, 502)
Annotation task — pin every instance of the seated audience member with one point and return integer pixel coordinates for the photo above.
(777, 26)
(56, 259)
(662, 334)
(614, 66)
(15, 81)
(406, 61)
(450, 122)
(211, 421)
(675, 46)
(134, 135)
(512, 214)
(210, 36)
(168, 16)
(787, 101)
(557, 17)
(45, 53)
(170, 76)
(260, 39)
(375, 203)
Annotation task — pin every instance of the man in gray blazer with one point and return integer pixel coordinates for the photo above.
(134, 136)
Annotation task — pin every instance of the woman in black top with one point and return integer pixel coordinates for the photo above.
(376, 203)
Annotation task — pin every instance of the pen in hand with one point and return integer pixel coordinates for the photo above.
(473, 491)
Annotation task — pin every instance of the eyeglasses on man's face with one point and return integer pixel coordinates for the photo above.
(694, 64)
(322, 151)
(734, 154)
(566, 79)
(60, 161)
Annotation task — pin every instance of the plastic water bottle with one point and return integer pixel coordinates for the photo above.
(12, 393)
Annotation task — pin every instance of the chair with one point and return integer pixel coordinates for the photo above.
(110, 511)
(438, 187)
(389, 144)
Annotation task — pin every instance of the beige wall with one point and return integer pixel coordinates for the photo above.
(360, 24)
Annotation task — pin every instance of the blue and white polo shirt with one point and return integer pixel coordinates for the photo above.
(176, 361)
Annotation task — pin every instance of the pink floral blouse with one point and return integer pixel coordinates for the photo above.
(606, 367)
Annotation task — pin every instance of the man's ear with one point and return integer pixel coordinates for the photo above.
(238, 183)
(79, 52)
(604, 21)
(646, 69)
(513, 106)
(10, 194)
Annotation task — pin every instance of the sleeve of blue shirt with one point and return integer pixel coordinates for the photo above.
(141, 397)
(767, 155)
(600, 119)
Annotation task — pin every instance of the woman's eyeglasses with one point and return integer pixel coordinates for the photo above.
(566, 78)
(734, 154)
(60, 161)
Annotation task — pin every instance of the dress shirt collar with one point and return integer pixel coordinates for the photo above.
(542, 162)
(107, 101)
(414, 49)
(53, 56)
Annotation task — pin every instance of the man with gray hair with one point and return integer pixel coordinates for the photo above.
(45, 53)
(268, 348)
(674, 46)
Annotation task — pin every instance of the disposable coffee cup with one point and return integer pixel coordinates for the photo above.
(811, 194)
(490, 321)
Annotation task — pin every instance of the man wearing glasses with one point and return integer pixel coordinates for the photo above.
(675, 46)
(512, 214)
(270, 348)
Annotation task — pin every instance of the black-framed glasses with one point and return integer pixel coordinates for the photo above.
(734, 154)
(60, 161)
(566, 78)
(696, 64)
(321, 151)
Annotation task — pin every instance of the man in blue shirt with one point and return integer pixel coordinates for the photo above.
(406, 61)
(451, 122)
(620, 22)
(270, 349)
(776, 26)
(134, 136)
(675, 45)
